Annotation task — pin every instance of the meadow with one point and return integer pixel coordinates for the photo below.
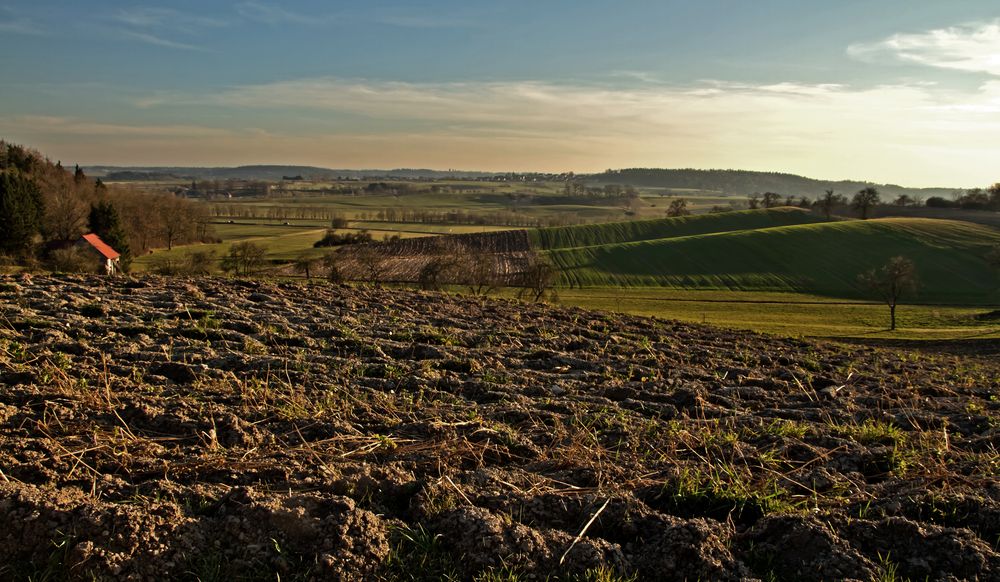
(820, 258)
(782, 270)
(794, 314)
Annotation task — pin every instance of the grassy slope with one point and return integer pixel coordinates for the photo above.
(823, 258)
(643, 230)
(791, 313)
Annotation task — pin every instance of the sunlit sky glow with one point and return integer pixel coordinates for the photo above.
(902, 91)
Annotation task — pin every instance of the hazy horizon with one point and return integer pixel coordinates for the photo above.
(902, 92)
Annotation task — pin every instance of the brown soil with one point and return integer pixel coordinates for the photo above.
(223, 430)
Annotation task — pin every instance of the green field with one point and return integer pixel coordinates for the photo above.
(534, 201)
(286, 242)
(781, 270)
(286, 245)
(642, 230)
(793, 314)
(821, 258)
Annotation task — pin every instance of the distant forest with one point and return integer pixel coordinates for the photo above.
(745, 182)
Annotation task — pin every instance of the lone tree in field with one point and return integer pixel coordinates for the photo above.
(537, 279)
(306, 265)
(890, 282)
(865, 200)
(678, 207)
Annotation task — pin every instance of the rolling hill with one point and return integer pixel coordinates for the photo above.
(744, 182)
(642, 230)
(822, 258)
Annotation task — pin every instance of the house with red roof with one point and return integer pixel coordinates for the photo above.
(109, 257)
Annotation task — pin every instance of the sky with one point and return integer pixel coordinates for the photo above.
(892, 91)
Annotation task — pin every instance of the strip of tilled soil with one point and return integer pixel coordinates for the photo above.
(219, 430)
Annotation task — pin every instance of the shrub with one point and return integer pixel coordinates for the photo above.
(332, 239)
(192, 263)
(73, 260)
(243, 258)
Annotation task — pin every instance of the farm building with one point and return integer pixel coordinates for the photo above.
(109, 257)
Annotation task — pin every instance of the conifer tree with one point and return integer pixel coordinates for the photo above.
(20, 211)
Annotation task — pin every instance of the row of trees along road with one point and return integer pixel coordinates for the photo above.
(44, 207)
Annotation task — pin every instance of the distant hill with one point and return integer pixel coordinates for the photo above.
(745, 182)
(269, 173)
(821, 258)
(732, 182)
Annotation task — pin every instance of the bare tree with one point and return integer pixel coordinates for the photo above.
(479, 271)
(305, 264)
(194, 262)
(178, 220)
(331, 262)
(243, 258)
(890, 282)
(754, 201)
(678, 207)
(865, 200)
(371, 261)
(770, 199)
(829, 201)
(903, 200)
(200, 262)
(66, 206)
(537, 278)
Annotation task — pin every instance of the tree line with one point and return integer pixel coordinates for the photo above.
(973, 199)
(44, 208)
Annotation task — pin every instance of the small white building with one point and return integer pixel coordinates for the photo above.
(109, 257)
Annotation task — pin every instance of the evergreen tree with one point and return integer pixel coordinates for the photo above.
(20, 211)
(78, 175)
(105, 223)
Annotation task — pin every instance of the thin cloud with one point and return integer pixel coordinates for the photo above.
(904, 133)
(16, 24)
(274, 14)
(165, 18)
(972, 48)
(642, 76)
(71, 126)
(154, 40)
(159, 26)
(405, 20)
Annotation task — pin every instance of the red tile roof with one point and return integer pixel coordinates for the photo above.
(102, 247)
